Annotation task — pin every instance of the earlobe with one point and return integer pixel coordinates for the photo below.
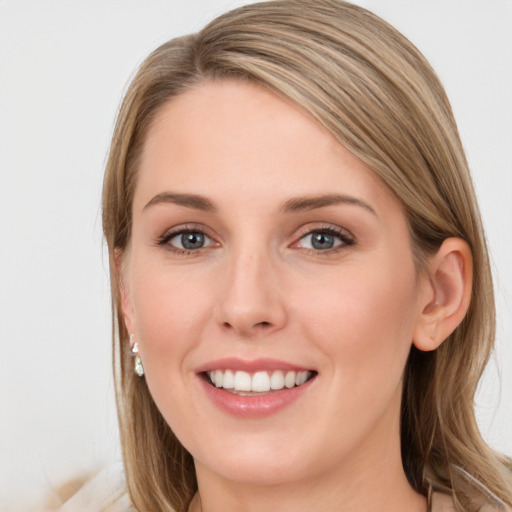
(448, 294)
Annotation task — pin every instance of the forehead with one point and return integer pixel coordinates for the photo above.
(232, 138)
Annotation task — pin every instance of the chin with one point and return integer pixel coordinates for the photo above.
(266, 459)
(248, 469)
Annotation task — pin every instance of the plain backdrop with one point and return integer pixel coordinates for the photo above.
(63, 68)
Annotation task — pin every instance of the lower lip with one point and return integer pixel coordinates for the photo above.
(254, 406)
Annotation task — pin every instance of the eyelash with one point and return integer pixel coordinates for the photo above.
(164, 240)
(344, 236)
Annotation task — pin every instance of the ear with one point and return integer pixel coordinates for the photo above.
(450, 279)
(124, 291)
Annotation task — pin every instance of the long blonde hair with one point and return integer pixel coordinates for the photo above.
(374, 91)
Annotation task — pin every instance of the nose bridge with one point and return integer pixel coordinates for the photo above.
(250, 302)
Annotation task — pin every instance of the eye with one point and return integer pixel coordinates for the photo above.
(325, 239)
(187, 240)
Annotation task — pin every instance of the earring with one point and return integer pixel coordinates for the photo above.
(139, 369)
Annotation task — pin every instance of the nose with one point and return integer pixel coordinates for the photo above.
(251, 300)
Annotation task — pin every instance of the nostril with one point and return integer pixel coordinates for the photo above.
(259, 324)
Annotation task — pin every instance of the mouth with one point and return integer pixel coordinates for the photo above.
(256, 388)
(258, 383)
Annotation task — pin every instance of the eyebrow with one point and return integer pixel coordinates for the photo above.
(311, 203)
(294, 204)
(188, 200)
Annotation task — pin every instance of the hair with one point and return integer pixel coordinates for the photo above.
(379, 97)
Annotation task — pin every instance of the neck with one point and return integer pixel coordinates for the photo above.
(400, 498)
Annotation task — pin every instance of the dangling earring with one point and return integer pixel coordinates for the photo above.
(139, 369)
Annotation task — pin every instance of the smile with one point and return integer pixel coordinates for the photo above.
(254, 388)
(247, 384)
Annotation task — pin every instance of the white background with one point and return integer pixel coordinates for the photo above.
(63, 68)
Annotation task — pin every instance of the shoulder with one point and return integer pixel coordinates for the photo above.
(105, 492)
(444, 503)
(474, 495)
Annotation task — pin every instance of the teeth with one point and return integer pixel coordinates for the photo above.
(261, 381)
(301, 378)
(243, 381)
(228, 381)
(289, 380)
(277, 380)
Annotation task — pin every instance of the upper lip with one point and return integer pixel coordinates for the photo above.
(250, 366)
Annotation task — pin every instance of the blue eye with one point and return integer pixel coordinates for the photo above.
(324, 240)
(188, 240)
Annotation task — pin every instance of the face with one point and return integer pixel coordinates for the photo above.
(271, 286)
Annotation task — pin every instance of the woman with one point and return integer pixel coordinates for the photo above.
(300, 281)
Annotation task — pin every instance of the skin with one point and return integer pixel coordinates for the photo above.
(259, 289)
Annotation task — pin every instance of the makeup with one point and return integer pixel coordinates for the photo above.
(254, 388)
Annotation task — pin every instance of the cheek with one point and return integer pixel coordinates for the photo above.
(362, 323)
(364, 320)
(171, 311)
(170, 316)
